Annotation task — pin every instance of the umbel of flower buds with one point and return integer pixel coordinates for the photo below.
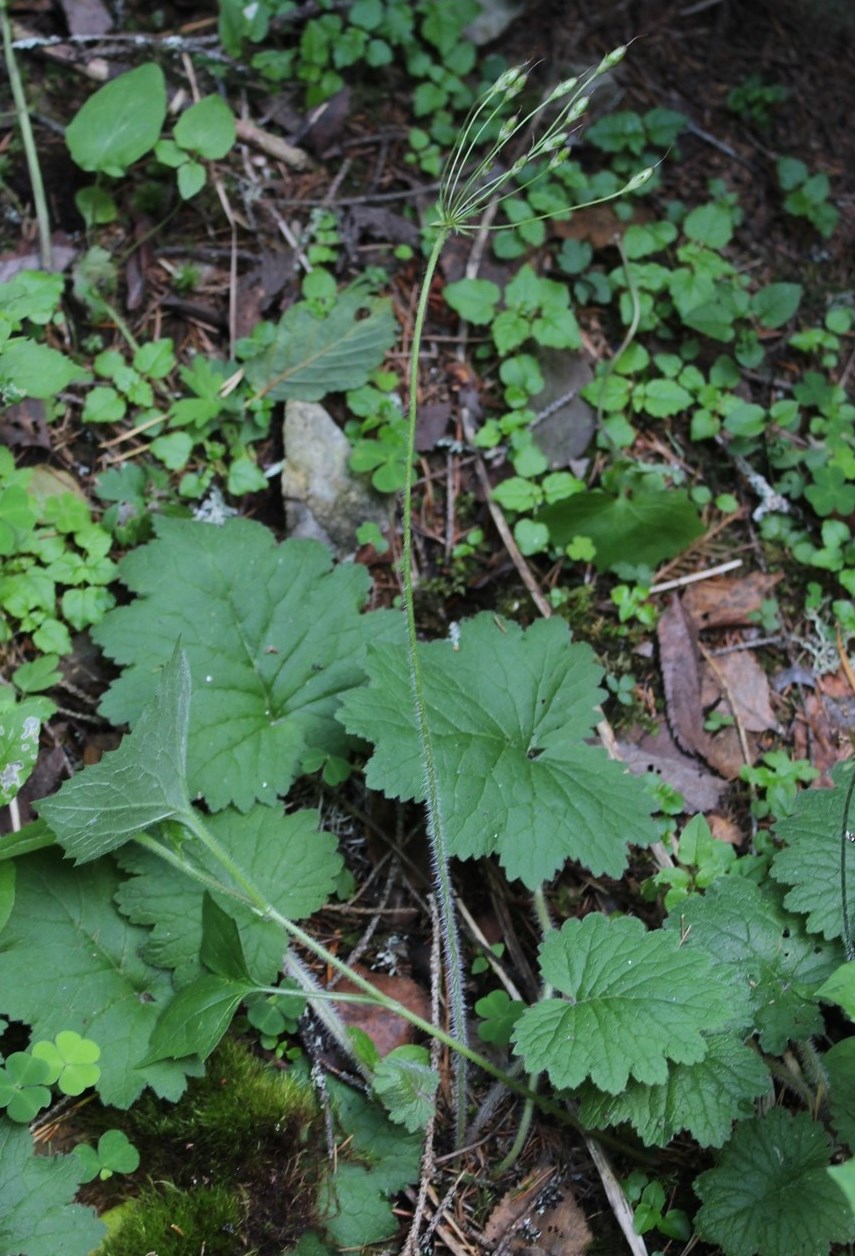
(465, 194)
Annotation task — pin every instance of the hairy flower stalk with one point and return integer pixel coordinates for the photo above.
(463, 197)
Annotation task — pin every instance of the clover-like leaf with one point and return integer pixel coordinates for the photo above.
(284, 855)
(37, 1217)
(135, 787)
(764, 953)
(115, 1154)
(71, 961)
(499, 1013)
(509, 712)
(72, 1060)
(273, 637)
(770, 1194)
(635, 1001)
(703, 1098)
(24, 1081)
(810, 860)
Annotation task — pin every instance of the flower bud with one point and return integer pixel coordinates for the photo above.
(562, 89)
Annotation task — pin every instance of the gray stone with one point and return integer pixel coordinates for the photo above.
(565, 431)
(323, 498)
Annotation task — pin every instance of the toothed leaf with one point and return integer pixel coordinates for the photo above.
(510, 712)
(635, 1000)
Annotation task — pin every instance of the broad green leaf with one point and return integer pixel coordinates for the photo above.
(509, 713)
(28, 369)
(207, 128)
(703, 1098)
(647, 527)
(394, 1156)
(770, 1194)
(763, 952)
(196, 1019)
(839, 1065)
(120, 123)
(310, 356)
(354, 1211)
(33, 836)
(284, 855)
(135, 787)
(273, 637)
(839, 988)
(843, 1176)
(7, 890)
(635, 1001)
(407, 1085)
(776, 304)
(221, 950)
(352, 1201)
(810, 860)
(37, 1217)
(70, 961)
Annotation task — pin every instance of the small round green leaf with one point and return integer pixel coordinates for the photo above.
(120, 123)
(207, 129)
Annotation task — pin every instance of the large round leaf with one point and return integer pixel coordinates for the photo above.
(120, 123)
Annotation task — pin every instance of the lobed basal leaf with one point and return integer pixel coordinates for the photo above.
(509, 712)
(273, 637)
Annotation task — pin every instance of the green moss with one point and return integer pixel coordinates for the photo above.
(174, 1222)
(246, 1137)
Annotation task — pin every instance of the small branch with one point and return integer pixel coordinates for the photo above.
(30, 150)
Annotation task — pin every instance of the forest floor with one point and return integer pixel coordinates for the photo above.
(724, 636)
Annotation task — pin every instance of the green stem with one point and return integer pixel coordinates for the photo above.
(435, 820)
(544, 920)
(30, 150)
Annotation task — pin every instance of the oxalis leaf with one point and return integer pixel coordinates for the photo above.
(763, 952)
(284, 854)
(37, 1216)
(310, 356)
(273, 637)
(770, 1194)
(70, 961)
(810, 861)
(135, 787)
(509, 712)
(636, 1000)
(703, 1098)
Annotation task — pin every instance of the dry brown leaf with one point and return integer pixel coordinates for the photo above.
(541, 1217)
(681, 677)
(725, 601)
(386, 1030)
(724, 830)
(745, 682)
(656, 752)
